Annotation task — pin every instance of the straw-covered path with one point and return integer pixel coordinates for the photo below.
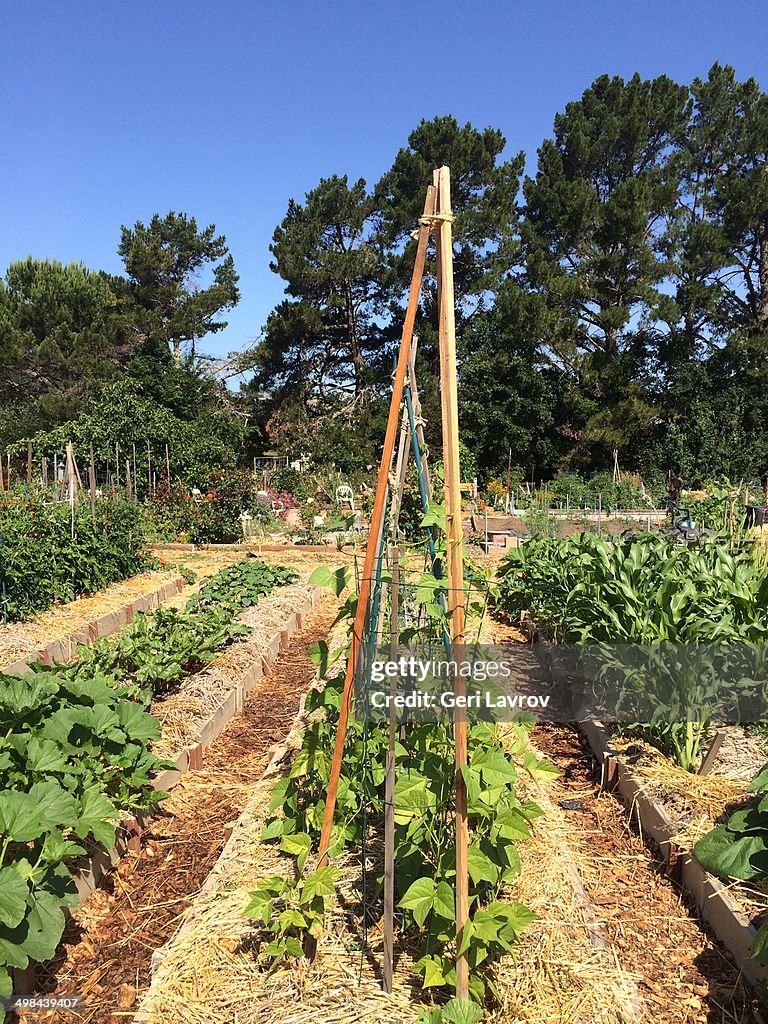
(680, 973)
(107, 948)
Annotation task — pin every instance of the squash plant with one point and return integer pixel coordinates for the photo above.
(73, 757)
(75, 752)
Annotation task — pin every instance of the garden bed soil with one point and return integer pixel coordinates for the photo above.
(681, 972)
(109, 942)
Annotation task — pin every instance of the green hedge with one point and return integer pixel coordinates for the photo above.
(41, 563)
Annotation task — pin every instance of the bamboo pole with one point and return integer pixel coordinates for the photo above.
(454, 538)
(389, 788)
(377, 520)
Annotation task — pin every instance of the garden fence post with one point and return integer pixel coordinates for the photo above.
(389, 786)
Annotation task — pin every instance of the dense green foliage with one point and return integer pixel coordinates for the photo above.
(648, 591)
(41, 562)
(617, 298)
(111, 361)
(75, 751)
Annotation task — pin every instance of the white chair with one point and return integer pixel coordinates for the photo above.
(345, 496)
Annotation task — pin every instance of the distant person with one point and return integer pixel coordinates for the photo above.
(675, 489)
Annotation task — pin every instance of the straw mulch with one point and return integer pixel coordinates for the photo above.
(681, 974)
(183, 713)
(693, 803)
(108, 946)
(21, 639)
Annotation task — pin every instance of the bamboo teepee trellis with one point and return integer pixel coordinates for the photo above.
(436, 220)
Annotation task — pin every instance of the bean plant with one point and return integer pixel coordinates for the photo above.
(425, 869)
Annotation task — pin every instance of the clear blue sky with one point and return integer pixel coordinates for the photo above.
(111, 111)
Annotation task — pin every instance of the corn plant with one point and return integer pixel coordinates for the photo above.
(647, 591)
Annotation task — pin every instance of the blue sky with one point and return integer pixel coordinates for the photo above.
(111, 111)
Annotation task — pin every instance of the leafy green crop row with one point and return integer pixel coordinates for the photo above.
(41, 562)
(75, 751)
(647, 591)
(289, 909)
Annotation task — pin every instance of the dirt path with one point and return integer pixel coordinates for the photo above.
(682, 975)
(108, 945)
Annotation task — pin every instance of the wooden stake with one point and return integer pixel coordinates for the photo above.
(117, 466)
(2, 484)
(92, 482)
(149, 471)
(168, 466)
(377, 519)
(389, 790)
(135, 477)
(29, 463)
(455, 558)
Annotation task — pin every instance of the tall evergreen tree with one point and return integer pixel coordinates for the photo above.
(164, 261)
(594, 213)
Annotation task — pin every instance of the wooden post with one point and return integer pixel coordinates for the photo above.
(135, 477)
(389, 789)
(29, 463)
(509, 481)
(377, 519)
(2, 484)
(43, 471)
(168, 466)
(117, 467)
(92, 482)
(455, 557)
(128, 481)
(8, 470)
(149, 470)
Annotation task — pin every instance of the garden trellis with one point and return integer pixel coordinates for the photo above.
(436, 220)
